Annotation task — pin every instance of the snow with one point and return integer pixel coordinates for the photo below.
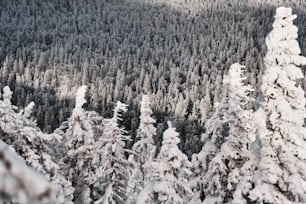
(29, 109)
(143, 151)
(7, 95)
(280, 118)
(283, 49)
(111, 166)
(169, 173)
(225, 164)
(80, 96)
(19, 182)
(185, 6)
(120, 107)
(22, 133)
(236, 164)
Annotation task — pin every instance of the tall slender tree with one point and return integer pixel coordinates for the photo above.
(143, 150)
(80, 149)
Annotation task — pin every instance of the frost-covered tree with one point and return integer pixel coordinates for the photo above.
(19, 183)
(22, 133)
(80, 146)
(144, 147)
(220, 164)
(143, 150)
(169, 174)
(112, 167)
(281, 176)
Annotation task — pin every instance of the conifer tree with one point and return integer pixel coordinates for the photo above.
(143, 150)
(281, 176)
(169, 174)
(112, 167)
(219, 166)
(144, 147)
(80, 149)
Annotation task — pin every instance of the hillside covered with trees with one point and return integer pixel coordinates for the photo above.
(135, 101)
(123, 49)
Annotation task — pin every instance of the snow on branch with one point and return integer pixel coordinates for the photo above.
(282, 44)
(7, 95)
(18, 182)
(29, 109)
(80, 97)
(120, 107)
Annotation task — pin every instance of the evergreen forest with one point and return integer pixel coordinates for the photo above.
(152, 102)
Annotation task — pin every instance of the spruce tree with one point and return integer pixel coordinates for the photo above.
(281, 176)
(112, 167)
(143, 150)
(169, 174)
(220, 164)
(80, 149)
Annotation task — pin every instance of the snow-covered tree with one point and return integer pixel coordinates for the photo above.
(18, 182)
(281, 175)
(143, 149)
(112, 167)
(220, 164)
(80, 149)
(22, 133)
(169, 174)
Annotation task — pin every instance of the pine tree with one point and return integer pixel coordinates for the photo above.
(220, 164)
(80, 149)
(281, 176)
(143, 150)
(169, 174)
(112, 167)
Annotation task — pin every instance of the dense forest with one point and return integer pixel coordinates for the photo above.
(136, 101)
(122, 49)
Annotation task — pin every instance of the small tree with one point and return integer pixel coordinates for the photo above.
(169, 173)
(281, 176)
